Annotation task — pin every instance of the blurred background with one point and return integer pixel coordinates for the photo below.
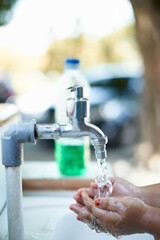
(37, 35)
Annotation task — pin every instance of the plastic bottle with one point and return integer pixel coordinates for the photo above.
(72, 155)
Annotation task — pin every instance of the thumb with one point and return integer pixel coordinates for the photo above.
(109, 204)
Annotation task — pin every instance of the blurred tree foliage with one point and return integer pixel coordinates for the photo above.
(6, 7)
(117, 47)
(121, 45)
(147, 15)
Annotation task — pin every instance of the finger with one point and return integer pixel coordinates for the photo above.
(94, 185)
(89, 191)
(111, 204)
(89, 203)
(78, 199)
(79, 218)
(108, 218)
(82, 211)
(86, 217)
(75, 207)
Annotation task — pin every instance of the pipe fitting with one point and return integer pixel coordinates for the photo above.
(47, 131)
(14, 137)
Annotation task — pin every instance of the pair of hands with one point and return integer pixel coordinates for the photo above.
(121, 213)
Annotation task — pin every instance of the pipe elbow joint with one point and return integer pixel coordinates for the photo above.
(12, 141)
(21, 132)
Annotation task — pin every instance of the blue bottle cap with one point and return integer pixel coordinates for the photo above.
(72, 61)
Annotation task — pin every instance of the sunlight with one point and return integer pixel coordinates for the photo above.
(36, 23)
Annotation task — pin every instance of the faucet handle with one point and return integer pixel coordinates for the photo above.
(77, 105)
(77, 91)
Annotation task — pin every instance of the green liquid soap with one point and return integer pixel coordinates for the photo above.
(72, 159)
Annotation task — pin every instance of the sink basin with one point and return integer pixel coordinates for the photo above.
(69, 228)
(47, 217)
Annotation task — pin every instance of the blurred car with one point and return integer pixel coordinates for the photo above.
(115, 100)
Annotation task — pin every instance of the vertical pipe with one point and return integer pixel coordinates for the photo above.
(12, 157)
(14, 203)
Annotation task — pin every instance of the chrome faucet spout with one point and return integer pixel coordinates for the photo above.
(98, 138)
(81, 128)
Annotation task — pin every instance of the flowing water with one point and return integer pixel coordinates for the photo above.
(104, 184)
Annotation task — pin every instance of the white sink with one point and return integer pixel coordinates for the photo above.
(68, 228)
(47, 217)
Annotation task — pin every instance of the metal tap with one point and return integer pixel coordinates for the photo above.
(78, 125)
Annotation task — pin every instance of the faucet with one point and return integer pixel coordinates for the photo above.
(78, 126)
(28, 131)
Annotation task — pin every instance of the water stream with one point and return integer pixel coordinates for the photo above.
(104, 184)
